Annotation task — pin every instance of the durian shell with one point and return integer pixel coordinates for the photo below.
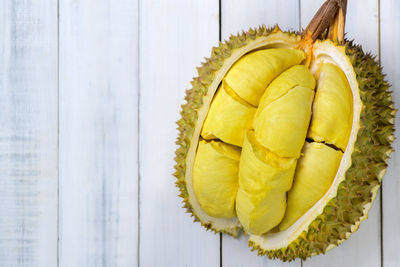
(355, 194)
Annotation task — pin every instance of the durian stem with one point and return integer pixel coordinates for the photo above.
(329, 20)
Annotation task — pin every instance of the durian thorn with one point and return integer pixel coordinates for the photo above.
(329, 19)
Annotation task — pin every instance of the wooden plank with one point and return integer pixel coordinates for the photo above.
(363, 247)
(390, 58)
(238, 16)
(98, 133)
(241, 15)
(28, 133)
(174, 38)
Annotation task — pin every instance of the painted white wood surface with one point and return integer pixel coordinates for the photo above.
(28, 133)
(123, 67)
(236, 16)
(98, 133)
(174, 38)
(363, 247)
(390, 60)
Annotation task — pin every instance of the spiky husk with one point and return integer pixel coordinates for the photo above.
(343, 213)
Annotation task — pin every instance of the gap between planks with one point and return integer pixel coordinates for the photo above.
(58, 133)
(138, 132)
(381, 188)
(220, 37)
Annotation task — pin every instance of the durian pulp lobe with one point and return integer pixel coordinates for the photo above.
(251, 74)
(314, 174)
(228, 117)
(264, 179)
(294, 76)
(215, 178)
(332, 108)
(282, 125)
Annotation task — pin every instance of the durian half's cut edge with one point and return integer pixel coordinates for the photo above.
(276, 39)
(323, 52)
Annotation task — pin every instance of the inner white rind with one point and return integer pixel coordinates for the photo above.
(274, 40)
(324, 51)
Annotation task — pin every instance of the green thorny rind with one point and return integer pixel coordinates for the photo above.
(369, 161)
(194, 100)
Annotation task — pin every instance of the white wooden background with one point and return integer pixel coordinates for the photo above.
(89, 95)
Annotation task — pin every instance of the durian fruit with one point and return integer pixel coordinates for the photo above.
(347, 141)
(228, 118)
(315, 172)
(215, 178)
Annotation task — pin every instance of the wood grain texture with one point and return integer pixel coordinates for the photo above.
(390, 60)
(238, 16)
(28, 133)
(174, 37)
(98, 133)
(106, 73)
(363, 247)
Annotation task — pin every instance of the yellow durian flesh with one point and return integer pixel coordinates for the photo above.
(284, 93)
(259, 215)
(264, 179)
(294, 76)
(251, 74)
(282, 125)
(332, 108)
(215, 178)
(315, 172)
(228, 117)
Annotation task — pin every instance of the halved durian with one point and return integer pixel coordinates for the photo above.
(347, 79)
